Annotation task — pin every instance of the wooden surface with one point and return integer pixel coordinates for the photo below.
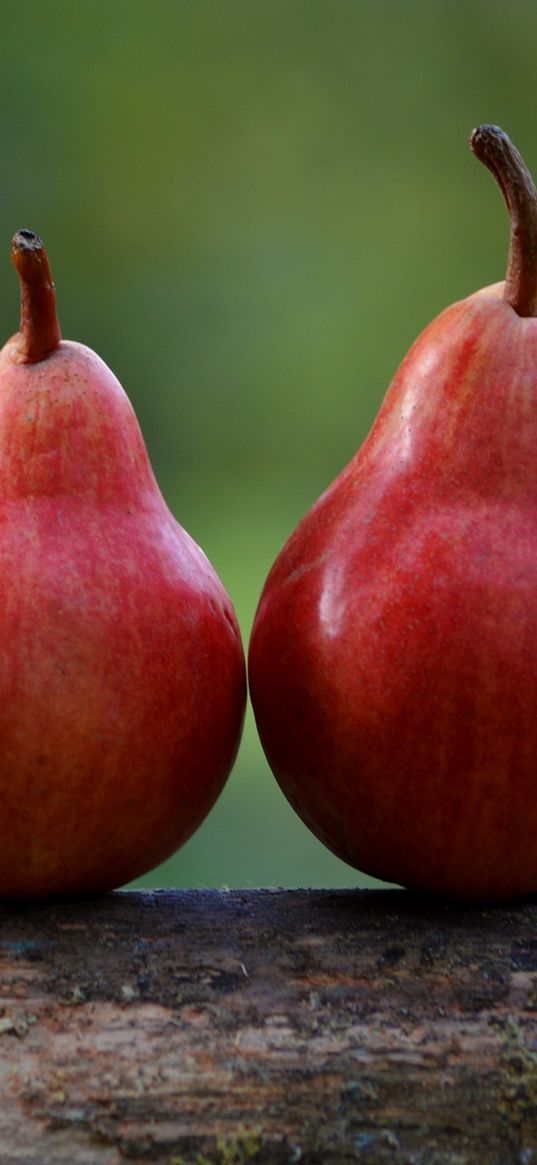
(200, 1027)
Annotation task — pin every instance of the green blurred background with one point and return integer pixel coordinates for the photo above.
(251, 209)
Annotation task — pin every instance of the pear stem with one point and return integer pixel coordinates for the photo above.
(493, 147)
(39, 328)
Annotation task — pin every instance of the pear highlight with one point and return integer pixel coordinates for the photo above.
(122, 680)
(393, 658)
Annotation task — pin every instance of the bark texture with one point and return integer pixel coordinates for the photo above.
(229, 1027)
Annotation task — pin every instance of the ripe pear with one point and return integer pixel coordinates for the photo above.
(393, 658)
(122, 679)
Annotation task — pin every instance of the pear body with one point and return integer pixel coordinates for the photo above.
(393, 659)
(122, 682)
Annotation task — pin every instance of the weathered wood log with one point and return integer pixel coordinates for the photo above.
(229, 1027)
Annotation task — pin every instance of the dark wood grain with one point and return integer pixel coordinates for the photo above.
(196, 1027)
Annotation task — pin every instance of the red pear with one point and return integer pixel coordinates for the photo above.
(393, 660)
(122, 681)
